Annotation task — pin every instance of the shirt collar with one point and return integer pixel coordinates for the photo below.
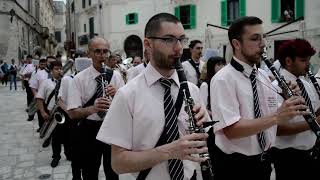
(152, 76)
(93, 72)
(247, 68)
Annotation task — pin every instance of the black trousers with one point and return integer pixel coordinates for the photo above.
(28, 91)
(92, 151)
(59, 135)
(40, 119)
(294, 164)
(238, 166)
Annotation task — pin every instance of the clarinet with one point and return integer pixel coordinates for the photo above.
(310, 118)
(206, 167)
(314, 82)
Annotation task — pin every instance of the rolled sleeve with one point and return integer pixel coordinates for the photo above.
(117, 126)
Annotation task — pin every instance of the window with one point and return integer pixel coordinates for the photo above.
(57, 35)
(23, 35)
(89, 2)
(84, 28)
(91, 27)
(83, 3)
(231, 10)
(72, 6)
(132, 18)
(83, 40)
(187, 15)
(286, 10)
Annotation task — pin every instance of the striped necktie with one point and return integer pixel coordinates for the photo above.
(257, 111)
(99, 93)
(171, 129)
(305, 95)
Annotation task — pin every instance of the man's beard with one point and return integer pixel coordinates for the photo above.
(251, 58)
(162, 61)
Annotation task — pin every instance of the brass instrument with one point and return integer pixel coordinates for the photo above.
(32, 107)
(128, 62)
(123, 73)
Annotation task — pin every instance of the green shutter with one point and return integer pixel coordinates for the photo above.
(193, 16)
(224, 13)
(275, 11)
(299, 8)
(242, 8)
(135, 18)
(177, 12)
(127, 19)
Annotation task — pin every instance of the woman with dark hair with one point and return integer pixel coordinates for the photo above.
(214, 64)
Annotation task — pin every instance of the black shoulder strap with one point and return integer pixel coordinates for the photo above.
(143, 174)
(91, 101)
(193, 64)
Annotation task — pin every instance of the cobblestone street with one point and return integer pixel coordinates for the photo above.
(21, 156)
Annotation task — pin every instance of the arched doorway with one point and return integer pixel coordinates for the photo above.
(133, 46)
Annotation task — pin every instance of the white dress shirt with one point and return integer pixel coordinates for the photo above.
(28, 70)
(45, 90)
(136, 119)
(64, 88)
(306, 139)
(84, 87)
(36, 79)
(190, 72)
(135, 71)
(232, 99)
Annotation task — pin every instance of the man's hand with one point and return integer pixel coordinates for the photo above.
(187, 145)
(199, 114)
(111, 90)
(291, 107)
(45, 116)
(101, 104)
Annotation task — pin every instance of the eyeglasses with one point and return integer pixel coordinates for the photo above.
(105, 52)
(171, 41)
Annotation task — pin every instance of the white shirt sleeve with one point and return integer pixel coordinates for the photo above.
(226, 109)
(74, 94)
(42, 91)
(117, 123)
(33, 82)
(204, 93)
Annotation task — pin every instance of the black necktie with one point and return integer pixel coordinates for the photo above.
(56, 90)
(305, 95)
(99, 93)
(257, 111)
(171, 129)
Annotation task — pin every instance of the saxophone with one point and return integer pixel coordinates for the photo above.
(206, 167)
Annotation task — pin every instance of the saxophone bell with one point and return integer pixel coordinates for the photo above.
(59, 117)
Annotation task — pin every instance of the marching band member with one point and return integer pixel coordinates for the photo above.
(86, 105)
(26, 75)
(135, 71)
(47, 97)
(133, 124)
(295, 140)
(246, 106)
(80, 63)
(193, 66)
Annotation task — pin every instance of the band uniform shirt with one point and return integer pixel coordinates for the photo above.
(45, 90)
(66, 82)
(136, 119)
(232, 99)
(190, 72)
(38, 78)
(306, 139)
(28, 70)
(135, 71)
(204, 93)
(84, 86)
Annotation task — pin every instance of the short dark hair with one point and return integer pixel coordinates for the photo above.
(295, 48)
(212, 62)
(193, 43)
(29, 56)
(237, 27)
(43, 60)
(153, 25)
(58, 56)
(51, 57)
(55, 63)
